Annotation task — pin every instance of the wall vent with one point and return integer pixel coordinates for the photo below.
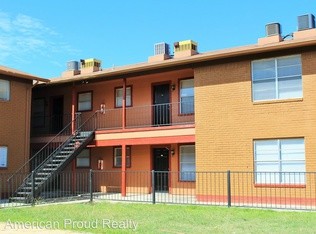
(273, 29)
(306, 22)
(161, 48)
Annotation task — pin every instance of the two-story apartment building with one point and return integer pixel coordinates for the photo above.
(247, 109)
(15, 117)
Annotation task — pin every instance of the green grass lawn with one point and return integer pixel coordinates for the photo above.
(162, 218)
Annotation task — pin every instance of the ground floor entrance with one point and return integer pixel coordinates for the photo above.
(161, 166)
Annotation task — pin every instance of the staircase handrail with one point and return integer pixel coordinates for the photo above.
(75, 133)
(46, 146)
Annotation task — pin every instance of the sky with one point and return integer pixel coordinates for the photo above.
(40, 36)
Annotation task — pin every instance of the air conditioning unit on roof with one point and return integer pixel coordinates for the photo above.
(273, 29)
(306, 22)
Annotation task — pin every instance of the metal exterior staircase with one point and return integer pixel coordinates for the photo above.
(52, 159)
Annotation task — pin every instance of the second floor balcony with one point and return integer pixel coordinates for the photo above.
(136, 117)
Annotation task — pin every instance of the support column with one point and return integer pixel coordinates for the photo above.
(124, 105)
(73, 129)
(123, 183)
(73, 104)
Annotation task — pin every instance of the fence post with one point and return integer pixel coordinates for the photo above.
(33, 188)
(91, 185)
(153, 187)
(229, 198)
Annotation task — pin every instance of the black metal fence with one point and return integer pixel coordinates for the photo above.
(245, 189)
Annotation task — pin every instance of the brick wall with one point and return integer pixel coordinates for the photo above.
(15, 123)
(227, 121)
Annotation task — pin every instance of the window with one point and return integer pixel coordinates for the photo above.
(85, 101)
(3, 156)
(187, 96)
(4, 90)
(83, 159)
(277, 78)
(280, 161)
(118, 156)
(187, 163)
(38, 112)
(119, 96)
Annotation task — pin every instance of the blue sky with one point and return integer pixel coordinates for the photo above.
(39, 37)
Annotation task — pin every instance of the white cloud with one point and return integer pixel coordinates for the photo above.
(23, 37)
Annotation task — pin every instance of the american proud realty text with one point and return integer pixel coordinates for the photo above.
(73, 224)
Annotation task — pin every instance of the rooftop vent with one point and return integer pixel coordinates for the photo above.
(91, 62)
(72, 69)
(161, 52)
(306, 22)
(90, 65)
(185, 45)
(161, 48)
(185, 48)
(72, 66)
(273, 29)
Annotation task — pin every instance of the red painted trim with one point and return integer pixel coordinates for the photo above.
(124, 105)
(145, 129)
(169, 161)
(169, 82)
(121, 87)
(73, 104)
(123, 182)
(89, 91)
(280, 185)
(130, 156)
(147, 141)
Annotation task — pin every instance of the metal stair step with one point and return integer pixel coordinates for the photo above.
(23, 193)
(53, 166)
(17, 198)
(60, 156)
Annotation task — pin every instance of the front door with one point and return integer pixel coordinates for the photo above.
(161, 105)
(57, 114)
(161, 167)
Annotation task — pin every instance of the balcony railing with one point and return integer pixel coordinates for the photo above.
(49, 124)
(159, 115)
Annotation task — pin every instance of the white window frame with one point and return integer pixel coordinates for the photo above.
(187, 175)
(119, 97)
(276, 158)
(184, 95)
(117, 161)
(81, 103)
(5, 87)
(3, 156)
(276, 78)
(81, 159)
